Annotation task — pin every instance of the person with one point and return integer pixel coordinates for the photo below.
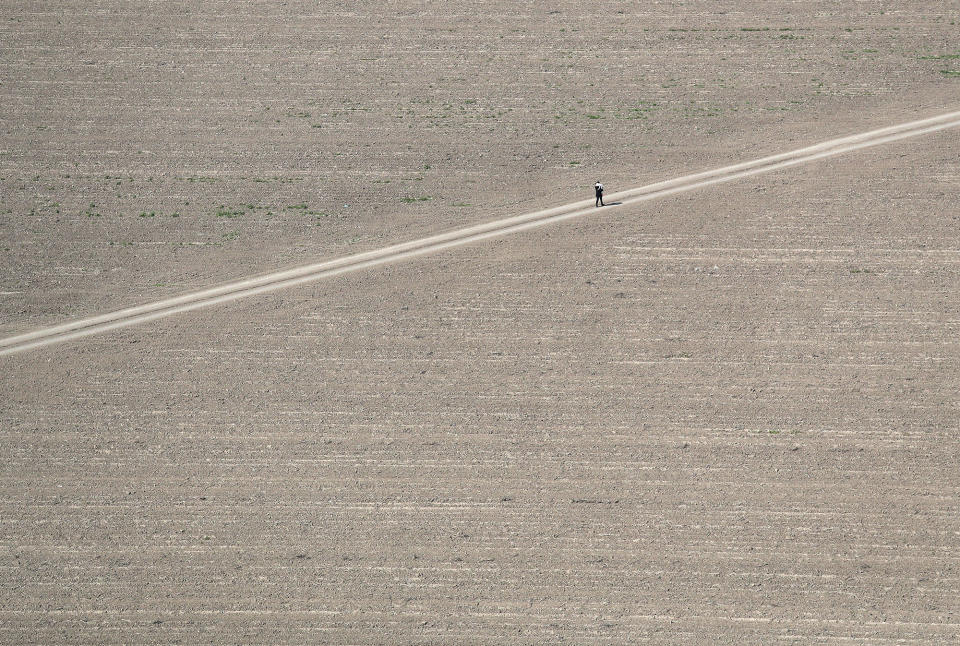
(598, 187)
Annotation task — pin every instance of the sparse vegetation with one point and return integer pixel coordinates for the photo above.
(226, 212)
(278, 180)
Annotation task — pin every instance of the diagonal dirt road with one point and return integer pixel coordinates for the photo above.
(394, 253)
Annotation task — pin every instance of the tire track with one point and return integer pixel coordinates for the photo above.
(432, 244)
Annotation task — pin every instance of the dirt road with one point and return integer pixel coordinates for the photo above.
(506, 226)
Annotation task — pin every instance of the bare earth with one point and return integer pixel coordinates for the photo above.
(726, 416)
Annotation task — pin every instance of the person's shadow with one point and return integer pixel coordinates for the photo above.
(612, 203)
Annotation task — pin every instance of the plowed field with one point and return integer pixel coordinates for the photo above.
(728, 415)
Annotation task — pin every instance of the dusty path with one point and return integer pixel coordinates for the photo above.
(467, 235)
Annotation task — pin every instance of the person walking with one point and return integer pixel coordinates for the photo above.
(598, 188)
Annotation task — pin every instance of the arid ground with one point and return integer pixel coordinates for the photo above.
(729, 416)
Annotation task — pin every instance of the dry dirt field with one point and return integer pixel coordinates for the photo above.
(730, 416)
